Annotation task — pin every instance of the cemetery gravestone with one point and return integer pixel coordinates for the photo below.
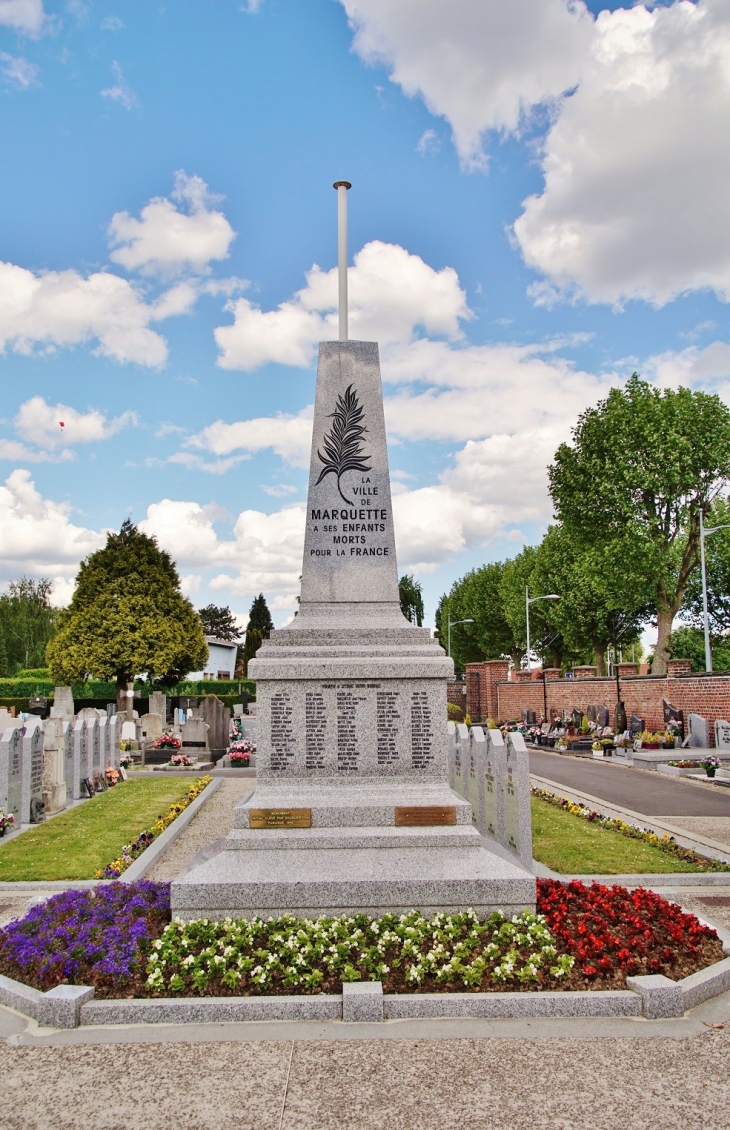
(31, 797)
(491, 798)
(473, 762)
(517, 811)
(672, 714)
(218, 717)
(93, 747)
(54, 782)
(591, 714)
(67, 745)
(636, 725)
(603, 716)
(699, 736)
(619, 723)
(113, 738)
(722, 734)
(195, 738)
(351, 700)
(576, 720)
(7, 721)
(81, 758)
(103, 744)
(451, 752)
(11, 772)
(63, 703)
(462, 747)
(151, 727)
(158, 705)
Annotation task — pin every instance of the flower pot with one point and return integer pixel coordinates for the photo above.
(710, 772)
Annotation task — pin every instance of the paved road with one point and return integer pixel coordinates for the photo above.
(652, 794)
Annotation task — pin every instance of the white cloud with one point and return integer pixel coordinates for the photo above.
(635, 196)
(19, 452)
(279, 490)
(61, 308)
(392, 294)
(166, 239)
(38, 535)
(289, 436)
(50, 426)
(428, 142)
(121, 92)
(190, 584)
(18, 72)
(25, 16)
(482, 64)
(111, 23)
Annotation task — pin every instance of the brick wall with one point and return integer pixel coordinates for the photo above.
(456, 693)
(708, 695)
(482, 680)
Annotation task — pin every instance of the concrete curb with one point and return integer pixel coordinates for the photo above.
(144, 862)
(712, 849)
(645, 996)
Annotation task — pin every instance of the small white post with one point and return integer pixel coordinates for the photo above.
(342, 187)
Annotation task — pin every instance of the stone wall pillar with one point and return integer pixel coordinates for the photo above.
(585, 671)
(481, 688)
(677, 667)
(626, 669)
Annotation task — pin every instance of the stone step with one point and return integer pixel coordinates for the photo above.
(357, 804)
(308, 839)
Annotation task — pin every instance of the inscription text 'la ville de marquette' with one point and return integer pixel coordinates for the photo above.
(354, 524)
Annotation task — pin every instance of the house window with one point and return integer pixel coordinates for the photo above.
(224, 674)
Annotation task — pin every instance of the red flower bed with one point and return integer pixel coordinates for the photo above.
(613, 933)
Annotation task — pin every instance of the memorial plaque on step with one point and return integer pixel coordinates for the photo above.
(280, 818)
(407, 816)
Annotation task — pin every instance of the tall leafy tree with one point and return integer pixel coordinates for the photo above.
(127, 616)
(259, 617)
(219, 622)
(27, 623)
(641, 466)
(411, 599)
(599, 606)
(476, 596)
(251, 644)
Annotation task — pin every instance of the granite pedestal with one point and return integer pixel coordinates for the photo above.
(353, 810)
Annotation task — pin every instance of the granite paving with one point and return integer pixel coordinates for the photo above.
(651, 793)
(710, 827)
(213, 822)
(484, 1084)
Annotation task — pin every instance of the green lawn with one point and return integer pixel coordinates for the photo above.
(572, 846)
(82, 841)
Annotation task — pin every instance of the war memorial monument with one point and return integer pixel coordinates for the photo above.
(352, 810)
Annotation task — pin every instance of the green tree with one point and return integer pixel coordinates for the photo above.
(476, 597)
(27, 623)
(251, 644)
(599, 605)
(688, 642)
(259, 617)
(641, 466)
(411, 599)
(127, 616)
(219, 622)
(717, 568)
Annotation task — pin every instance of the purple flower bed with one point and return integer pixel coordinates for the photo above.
(98, 937)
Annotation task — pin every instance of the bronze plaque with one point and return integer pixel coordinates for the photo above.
(280, 818)
(425, 815)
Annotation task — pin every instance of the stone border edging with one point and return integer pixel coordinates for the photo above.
(144, 862)
(652, 996)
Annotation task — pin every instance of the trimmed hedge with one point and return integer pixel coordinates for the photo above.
(223, 688)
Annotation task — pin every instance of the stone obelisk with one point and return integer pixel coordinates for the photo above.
(352, 809)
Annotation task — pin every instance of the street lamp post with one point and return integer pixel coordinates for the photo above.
(528, 601)
(704, 534)
(452, 624)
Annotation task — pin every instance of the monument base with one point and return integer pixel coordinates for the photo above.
(355, 858)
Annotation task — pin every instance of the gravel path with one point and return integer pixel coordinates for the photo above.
(484, 1084)
(213, 822)
(711, 827)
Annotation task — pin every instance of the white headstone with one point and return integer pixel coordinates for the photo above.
(158, 705)
(31, 798)
(54, 784)
(67, 745)
(63, 703)
(151, 726)
(517, 813)
(699, 736)
(129, 732)
(81, 767)
(722, 734)
(11, 771)
(113, 739)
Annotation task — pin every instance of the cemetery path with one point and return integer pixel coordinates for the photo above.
(550, 1083)
(651, 793)
(213, 822)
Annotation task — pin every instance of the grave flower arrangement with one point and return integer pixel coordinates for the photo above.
(112, 776)
(181, 760)
(97, 937)
(6, 821)
(683, 764)
(240, 751)
(129, 852)
(710, 764)
(168, 741)
(633, 831)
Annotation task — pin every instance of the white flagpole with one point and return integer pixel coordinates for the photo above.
(342, 187)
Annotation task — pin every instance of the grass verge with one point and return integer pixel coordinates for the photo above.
(572, 846)
(81, 842)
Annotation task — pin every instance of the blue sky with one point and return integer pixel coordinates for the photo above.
(539, 206)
